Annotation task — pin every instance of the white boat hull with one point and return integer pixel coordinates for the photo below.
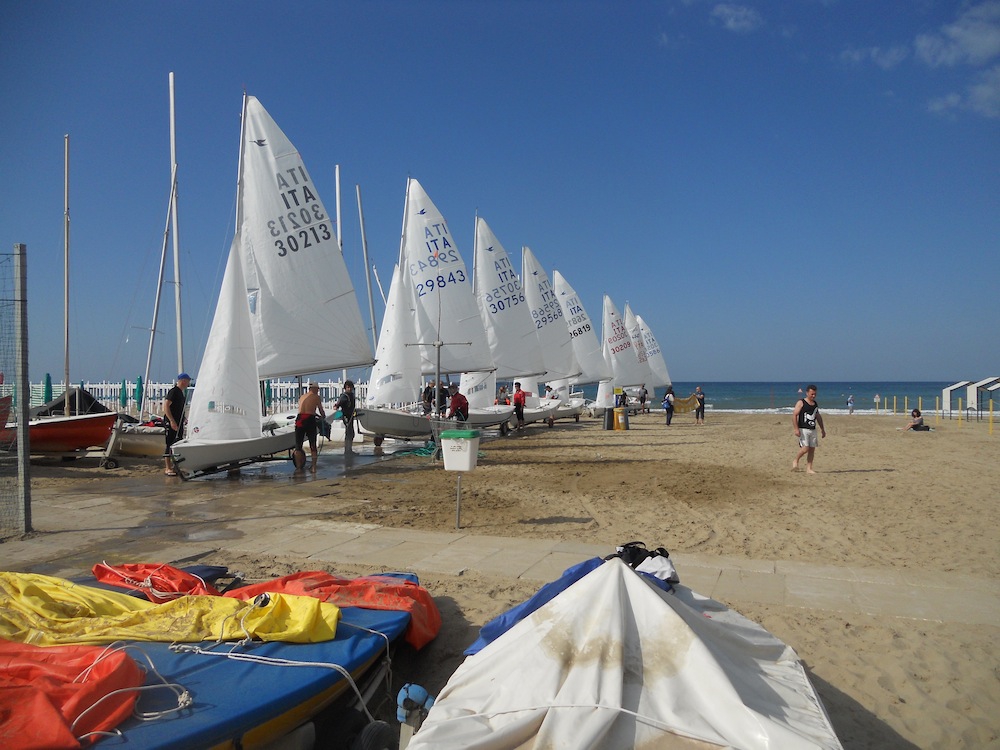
(544, 412)
(489, 416)
(395, 423)
(201, 456)
(571, 409)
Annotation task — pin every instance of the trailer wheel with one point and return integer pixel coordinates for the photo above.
(110, 463)
(576, 417)
(551, 421)
(378, 440)
(504, 428)
(375, 736)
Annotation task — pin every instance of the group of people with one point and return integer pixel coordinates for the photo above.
(669, 405)
(311, 418)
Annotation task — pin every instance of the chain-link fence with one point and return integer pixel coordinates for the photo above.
(14, 502)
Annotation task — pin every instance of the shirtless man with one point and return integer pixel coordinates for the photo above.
(305, 423)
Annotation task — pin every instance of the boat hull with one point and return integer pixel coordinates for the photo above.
(65, 434)
(394, 423)
(202, 456)
(139, 441)
(545, 412)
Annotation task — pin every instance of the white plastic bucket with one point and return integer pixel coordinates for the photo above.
(460, 449)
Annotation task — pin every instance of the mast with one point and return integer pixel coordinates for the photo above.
(173, 212)
(368, 274)
(66, 408)
(340, 237)
(159, 289)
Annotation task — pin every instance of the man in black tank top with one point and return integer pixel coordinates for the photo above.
(804, 419)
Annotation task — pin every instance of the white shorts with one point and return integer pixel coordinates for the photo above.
(807, 438)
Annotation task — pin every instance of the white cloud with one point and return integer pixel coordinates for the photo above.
(737, 18)
(973, 39)
(885, 58)
(982, 96)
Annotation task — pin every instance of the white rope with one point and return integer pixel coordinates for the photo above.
(187, 648)
(147, 583)
(184, 698)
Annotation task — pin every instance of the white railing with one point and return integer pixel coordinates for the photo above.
(279, 395)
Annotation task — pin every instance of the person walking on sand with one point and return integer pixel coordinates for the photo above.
(306, 424)
(173, 413)
(643, 395)
(850, 403)
(699, 410)
(804, 419)
(668, 404)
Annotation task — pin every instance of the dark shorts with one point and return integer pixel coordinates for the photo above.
(172, 435)
(519, 413)
(305, 427)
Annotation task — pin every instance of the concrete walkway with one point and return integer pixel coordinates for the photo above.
(275, 513)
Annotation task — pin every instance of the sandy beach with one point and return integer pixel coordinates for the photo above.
(882, 499)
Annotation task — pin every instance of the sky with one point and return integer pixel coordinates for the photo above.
(784, 191)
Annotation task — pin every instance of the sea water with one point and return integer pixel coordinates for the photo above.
(780, 397)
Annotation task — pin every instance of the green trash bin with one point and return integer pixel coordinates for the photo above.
(460, 449)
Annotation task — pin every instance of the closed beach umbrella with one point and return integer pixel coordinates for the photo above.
(47, 390)
(123, 395)
(267, 394)
(138, 394)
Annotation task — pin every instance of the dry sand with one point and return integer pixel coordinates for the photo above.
(881, 498)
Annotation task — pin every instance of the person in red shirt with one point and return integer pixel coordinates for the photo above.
(458, 408)
(519, 399)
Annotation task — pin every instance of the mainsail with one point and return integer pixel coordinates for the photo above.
(446, 309)
(638, 345)
(583, 332)
(547, 315)
(657, 364)
(303, 306)
(504, 310)
(618, 348)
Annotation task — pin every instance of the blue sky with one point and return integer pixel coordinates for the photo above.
(803, 190)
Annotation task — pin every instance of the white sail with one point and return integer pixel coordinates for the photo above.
(547, 315)
(396, 375)
(618, 348)
(442, 291)
(226, 404)
(657, 364)
(303, 306)
(583, 332)
(638, 345)
(504, 310)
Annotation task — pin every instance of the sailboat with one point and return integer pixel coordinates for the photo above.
(654, 354)
(553, 338)
(509, 329)
(447, 331)
(620, 354)
(287, 305)
(586, 346)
